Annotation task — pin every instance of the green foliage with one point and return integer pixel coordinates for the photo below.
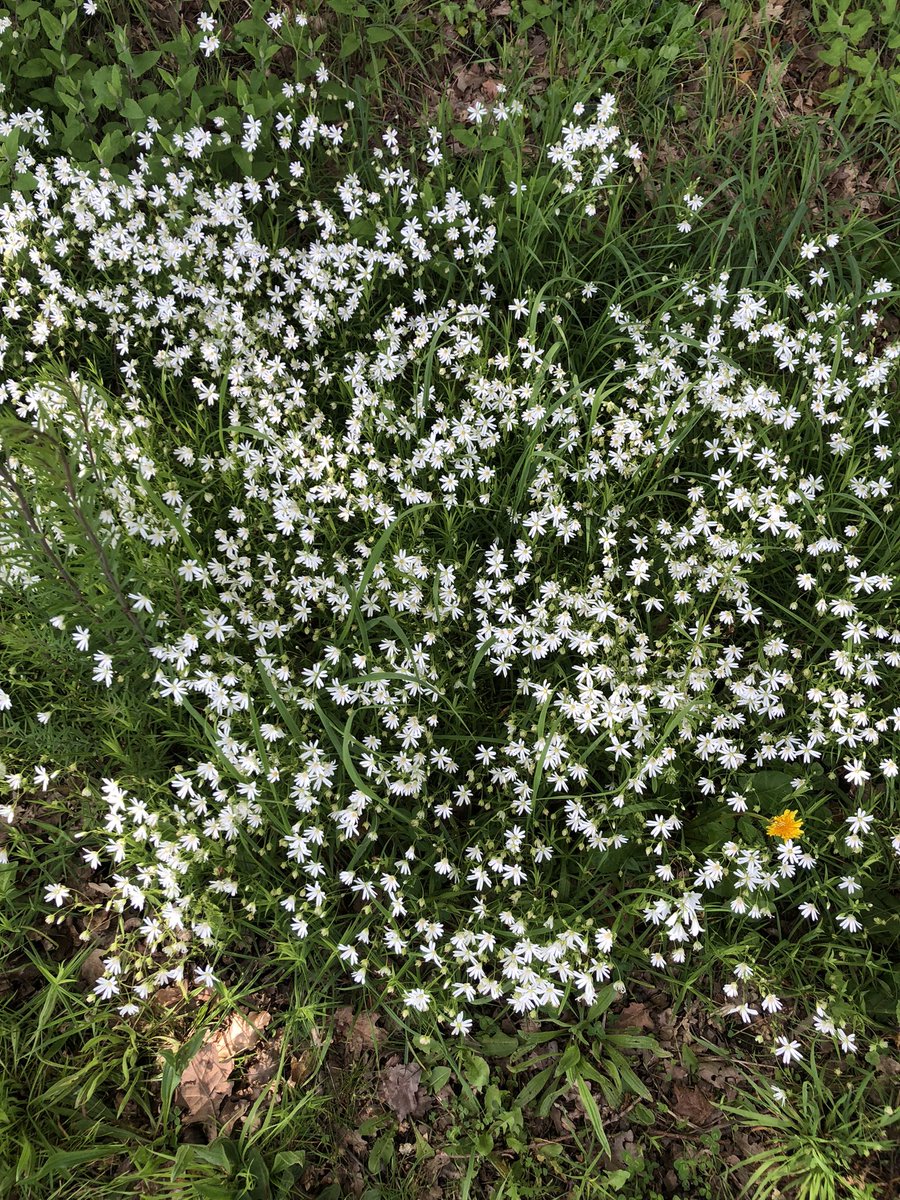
(862, 46)
(817, 1133)
(81, 1105)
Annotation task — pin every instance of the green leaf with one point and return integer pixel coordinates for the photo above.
(439, 1077)
(143, 62)
(643, 1115)
(34, 68)
(132, 110)
(382, 1152)
(52, 27)
(862, 64)
(858, 25)
(465, 137)
(484, 1143)
(215, 1155)
(498, 1045)
(834, 54)
(534, 1087)
(477, 1071)
(768, 784)
(592, 1112)
(350, 44)
(571, 1056)
(378, 33)
(286, 1160)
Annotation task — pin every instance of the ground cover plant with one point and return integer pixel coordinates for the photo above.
(449, 570)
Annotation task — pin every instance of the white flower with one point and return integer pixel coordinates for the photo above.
(418, 999)
(103, 672)
(787, 1051)
(461, 1025)
(745, 1012)
(847, 1040)
(857, 775)
(195, 141)
(850, 922)
(860, 821)
(106, 986)
(57, 894)
(203, 977)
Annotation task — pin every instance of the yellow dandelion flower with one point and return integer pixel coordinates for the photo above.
(785, 826)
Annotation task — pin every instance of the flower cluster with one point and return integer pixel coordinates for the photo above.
(509, 675)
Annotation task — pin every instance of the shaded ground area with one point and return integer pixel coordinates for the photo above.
(327, 1103)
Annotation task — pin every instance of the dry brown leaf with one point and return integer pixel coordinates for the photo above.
(92, 967)
(399, 1088)
(301, 1068)
(263, 1069)
(167, 997)
(469, 78)
(634, 1016)
(232, 1112)
(360, 1031)
(204, 1085)
(241, 1033)
(691, 1105)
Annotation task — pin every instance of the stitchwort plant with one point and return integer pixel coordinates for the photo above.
(511, 636)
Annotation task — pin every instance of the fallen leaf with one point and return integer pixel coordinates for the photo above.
(232, 1112)
(469, 78)
(634, 1016)
(691, 1105)
(92, 967)
(241, 1033)
(399, 1088)
(360, 1031)
(204, 1085)
(167, 997)
(301, 1068)
(263, 1069)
